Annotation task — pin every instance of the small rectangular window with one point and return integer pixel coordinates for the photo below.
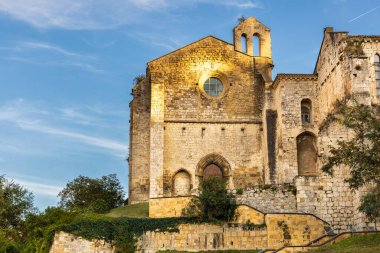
(377, 75)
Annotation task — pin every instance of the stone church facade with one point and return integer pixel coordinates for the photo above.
(211, 108)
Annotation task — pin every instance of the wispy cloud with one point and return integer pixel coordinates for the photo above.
(27, 117)
(50, 55)
(363, 14)
(49, 47)
(97, 14)
(157, 39)
(40, 188)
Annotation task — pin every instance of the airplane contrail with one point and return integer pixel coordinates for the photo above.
(365, 13)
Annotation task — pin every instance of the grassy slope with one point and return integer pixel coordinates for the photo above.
(356, 244)
(140, 210)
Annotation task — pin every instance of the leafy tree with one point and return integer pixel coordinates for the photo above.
(361, 153)
(16, 204)
(214, 201)
(97, 195)
(40, 228)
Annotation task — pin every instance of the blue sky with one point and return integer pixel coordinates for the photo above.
(67, 69)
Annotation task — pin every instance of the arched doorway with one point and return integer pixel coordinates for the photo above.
(306, 154)
(213, 165)
(212, 170)
(182, 183)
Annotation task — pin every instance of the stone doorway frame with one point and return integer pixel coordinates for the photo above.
(218, 160)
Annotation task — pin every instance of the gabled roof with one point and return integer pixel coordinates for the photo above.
(191, 44)
(199, 41)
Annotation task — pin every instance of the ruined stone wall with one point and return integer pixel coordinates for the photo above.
(68, 243)
(270, 198)
(139, 143)
(333, 74)
(247, 214)
(292, 229)
(280, 229)
(344, 68)
(199, 237)
(185, 144)
(191, 124)
(185, 70)
(370, 48)
(290, 90)
(167, 207)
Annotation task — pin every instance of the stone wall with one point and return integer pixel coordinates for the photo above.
(185, 145)
(247, 214)
(167, 207)
(270, 198)
(280, 229)
(68, 243)
(187, 124)
(289, 92)
(292, 229)
(139, 143)
(199, 237)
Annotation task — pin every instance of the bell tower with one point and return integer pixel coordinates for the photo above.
(251, 31)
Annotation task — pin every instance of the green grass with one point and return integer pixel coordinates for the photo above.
(140, 210)
(216, 251)
(356, 244)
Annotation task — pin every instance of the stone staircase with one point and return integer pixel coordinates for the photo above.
(326, 239)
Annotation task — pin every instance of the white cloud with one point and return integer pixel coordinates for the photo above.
(49, 47)
(51, 55)
(26, 116)
(98, 14)
(39, 188)
(83, 138)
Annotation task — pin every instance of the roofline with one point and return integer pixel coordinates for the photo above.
(326, 30)
(192, 43)
(208, 36)
(376, 37)
(293, 76)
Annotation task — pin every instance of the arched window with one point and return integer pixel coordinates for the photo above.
(182, 183)
(306, 154)
(377, 75)
(306, 111)
(256, 45)
(244, 43)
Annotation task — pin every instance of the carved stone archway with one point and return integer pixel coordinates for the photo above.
(216, 160)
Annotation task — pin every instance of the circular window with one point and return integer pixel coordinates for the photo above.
(213, 87)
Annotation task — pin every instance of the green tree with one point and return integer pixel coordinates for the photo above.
(361, 153)
(16, 204)
(40, 228)
(97, 195)
(214, 201)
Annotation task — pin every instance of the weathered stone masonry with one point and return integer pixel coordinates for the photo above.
(255, 131)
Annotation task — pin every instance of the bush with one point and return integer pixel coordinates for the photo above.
(214, 201)
(97, 195)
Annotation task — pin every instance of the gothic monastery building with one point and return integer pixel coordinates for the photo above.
(212, 108)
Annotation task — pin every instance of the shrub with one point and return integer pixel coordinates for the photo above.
(214, 201)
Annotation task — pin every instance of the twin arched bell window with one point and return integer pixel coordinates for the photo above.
(249, 44)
